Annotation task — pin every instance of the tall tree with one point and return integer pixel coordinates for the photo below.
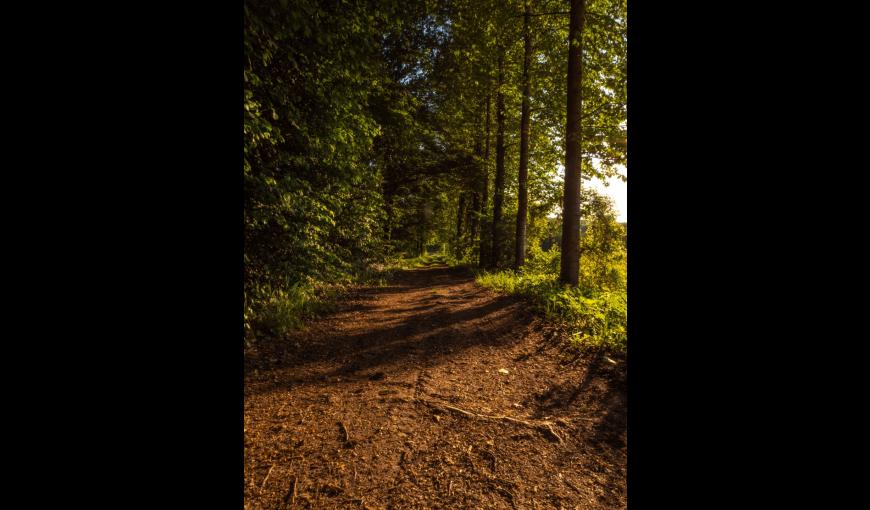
(459, 215)
(569, 271)
(522, 205)
(474, 210)
(484, 184)
(498, 195)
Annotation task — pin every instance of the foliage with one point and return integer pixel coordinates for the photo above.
(424, 260)
(365, 142)
(285, 309)
(313, 205)
(596, 311)
(596, 317)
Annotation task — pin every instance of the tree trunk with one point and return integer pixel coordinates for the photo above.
(474, 210)
(484, 177)
(498, 197)
(570, 261)
(388, 206)
(522, 206)
(459, 216)
(472, 216)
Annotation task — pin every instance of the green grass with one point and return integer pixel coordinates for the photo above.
(422, 261)
(277, 312)
(286, 310)
(596, 318)
(594, 315)
(281, 311)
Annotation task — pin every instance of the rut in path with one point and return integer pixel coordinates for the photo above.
(399, 400)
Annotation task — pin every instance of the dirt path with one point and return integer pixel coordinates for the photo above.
(397, 401)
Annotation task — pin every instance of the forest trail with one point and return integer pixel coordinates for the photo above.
(399, 399)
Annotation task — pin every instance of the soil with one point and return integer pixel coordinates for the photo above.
(432, 392)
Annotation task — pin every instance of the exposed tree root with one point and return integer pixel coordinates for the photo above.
(544, 427)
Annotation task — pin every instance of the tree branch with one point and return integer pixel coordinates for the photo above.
(557, 13)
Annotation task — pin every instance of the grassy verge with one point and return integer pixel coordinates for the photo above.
(596, 318)
(281, 311)
(424, 260)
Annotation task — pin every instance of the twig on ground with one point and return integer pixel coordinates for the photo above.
(344, 430)
(293, 498)
(291, 494)
(263, 483)
(545, 427)
(492, 456)
(504, 492)
(569, 484)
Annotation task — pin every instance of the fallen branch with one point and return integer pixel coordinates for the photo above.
(545, 427)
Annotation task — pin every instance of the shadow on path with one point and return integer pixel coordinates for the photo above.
(424, 316)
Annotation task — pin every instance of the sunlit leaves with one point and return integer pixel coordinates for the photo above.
(363, 122)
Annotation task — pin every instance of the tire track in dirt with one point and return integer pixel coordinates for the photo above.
(359, 409)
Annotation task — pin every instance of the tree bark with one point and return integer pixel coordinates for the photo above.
(498, 196)
(474, 210)
(484, 177)
(570, 261)
(522, 206)
(459, 216)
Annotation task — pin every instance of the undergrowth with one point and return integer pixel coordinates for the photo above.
(424, 260)
(595, 312)
(284, 310)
